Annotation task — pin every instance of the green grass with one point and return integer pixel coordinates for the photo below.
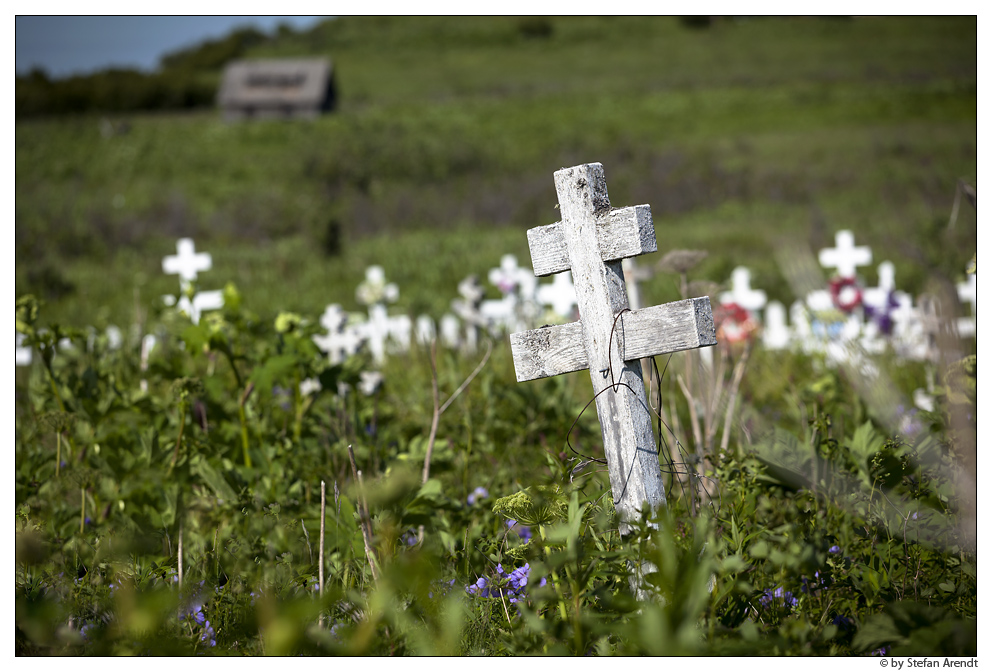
(739, 136)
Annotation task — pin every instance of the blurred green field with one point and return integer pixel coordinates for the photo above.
(740, 136)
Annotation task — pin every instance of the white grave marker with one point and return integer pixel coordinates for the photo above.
(450, 329)
(202, 301)
(560, 295)
(775, 334)
(187, 263)
(22, 355)
(633, 274)
(468, 309)
(341, 340)
(375, 289)
(591, 240)
(968, 293)
(751, 300)
(425, 331)
(381, 327)
(845, 257)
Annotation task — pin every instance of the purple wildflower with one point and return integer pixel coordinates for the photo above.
(522, 530)
(208, 637)
(880, 652)
(779, 595)
(843, 622)
(479, 493)
(834, 549)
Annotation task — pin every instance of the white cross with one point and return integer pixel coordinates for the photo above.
(380, 327)
(632, 274)
(845, 257)
(752, 300)
(968, 293)
(450, 330)
(211, 300)
(22, 355)
(775, 334)
(878, 297)
(187, 263)
(560, 295)
(609, 341)
(468, 309)
(518, 308)
(147, 344)
(340, 341)
(425, 330)
(375, 289)
(510, 278)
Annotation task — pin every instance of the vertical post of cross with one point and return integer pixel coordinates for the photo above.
(635, 472)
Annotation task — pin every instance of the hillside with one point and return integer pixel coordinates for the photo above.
(740, 135)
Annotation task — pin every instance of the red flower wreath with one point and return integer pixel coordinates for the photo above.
(733, 323)
(845, 294)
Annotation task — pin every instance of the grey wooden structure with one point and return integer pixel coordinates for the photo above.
(591, 240)
(284, 88)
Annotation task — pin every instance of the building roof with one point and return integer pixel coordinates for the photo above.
(298, 84)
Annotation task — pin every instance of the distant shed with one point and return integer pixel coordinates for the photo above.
(297, 88)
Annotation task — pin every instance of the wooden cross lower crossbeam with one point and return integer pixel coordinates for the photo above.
(591, 240)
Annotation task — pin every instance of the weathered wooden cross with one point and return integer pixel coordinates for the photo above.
(591, 240)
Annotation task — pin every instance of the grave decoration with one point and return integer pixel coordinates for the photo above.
(591, 240)
(187, 263)
(741, 294)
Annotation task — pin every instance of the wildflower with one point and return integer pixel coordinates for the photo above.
(834, 549)
(443, 586)
(479, 493)
(778, 595)
(880, 652)
(409, 538)
(522, 530)
(84, 629)
(209, 636)
(882, 315)
(510, 586)
(843, 622)
(480, 587)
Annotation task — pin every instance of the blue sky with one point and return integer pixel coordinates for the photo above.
(68, 45)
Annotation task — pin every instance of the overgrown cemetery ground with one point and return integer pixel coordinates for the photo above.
(323, 388)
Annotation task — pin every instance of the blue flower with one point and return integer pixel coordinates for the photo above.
(478, 494)
(409, 538)
(834, 549)
(522, 530)
(880, 652)
(843, 622)
(208, 636)
(510, 586)
(779, 595)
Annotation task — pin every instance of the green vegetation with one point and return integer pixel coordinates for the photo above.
(838, 528)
